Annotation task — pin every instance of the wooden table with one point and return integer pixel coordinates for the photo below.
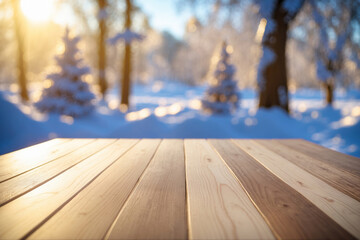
(177, 189)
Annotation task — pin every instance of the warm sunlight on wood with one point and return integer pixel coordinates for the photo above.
(38, 10)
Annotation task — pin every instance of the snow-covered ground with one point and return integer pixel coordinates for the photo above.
(173, 111)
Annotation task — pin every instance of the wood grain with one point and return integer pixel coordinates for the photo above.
(157, 207)
(341, 208)
(36, 147)
(290, 215)
(218, 207)
(13, 164)
(339, 160)
(343, 181)
(26, 213)
(74, 189)
(90, 214)
(29, 180)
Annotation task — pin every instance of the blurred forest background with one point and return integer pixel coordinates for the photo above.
(161, 56)
(270, 68)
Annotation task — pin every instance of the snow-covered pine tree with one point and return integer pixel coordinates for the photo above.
(68, 94)
(222, 96)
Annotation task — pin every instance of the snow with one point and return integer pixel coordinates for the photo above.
(17, 129)
(340, 43)
(127, 36)
(67, 93)
(282, 95)
(355, 58)
(322, 72)
(222, 95)
(325, 53)
(174, 111)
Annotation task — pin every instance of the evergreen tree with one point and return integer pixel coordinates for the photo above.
(68, 94)
(222, 95)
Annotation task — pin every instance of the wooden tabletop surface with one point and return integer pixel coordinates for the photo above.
(178, 189)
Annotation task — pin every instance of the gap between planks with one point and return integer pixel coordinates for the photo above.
(340, 179)
(56, 193)
(156, 207)
(339, 160)
(343, 209)
(89, 214)
(23, 183)
(277, 201)
(218, 207)
(20, 162)
(188, 231)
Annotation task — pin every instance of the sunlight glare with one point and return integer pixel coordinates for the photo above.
(37, 116)
(47, 83)
(139, 115)
(355, 112)
(292, 88)
(14, 87)
(302, 107)
(348, 121)
(38, 10)
(229, 49)
(344, 122)
(25, 109)
(67, 119)
(36, 96)
(260, 31)
(175, 108)
(195, 104)
(123, 108)
(157, 86)
(160, 111)
(113, 104)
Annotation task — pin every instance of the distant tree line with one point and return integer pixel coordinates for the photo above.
(337, 27)
(280, 43)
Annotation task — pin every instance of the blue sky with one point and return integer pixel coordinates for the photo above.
(164, 15)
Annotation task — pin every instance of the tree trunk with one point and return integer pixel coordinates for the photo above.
(102, 47)
(125, 86)
(275, 89)
(19, 33)
(329, 84)
(329, 88)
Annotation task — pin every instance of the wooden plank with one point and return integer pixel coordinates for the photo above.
(218, 207)
(341, 208)
(157, 207)
(90, 214)
(290, 215)
(339, 160)
(23, 183)
(25, 214)
(16, 163)
(15, 158)
(34, 148)
(343, 181)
